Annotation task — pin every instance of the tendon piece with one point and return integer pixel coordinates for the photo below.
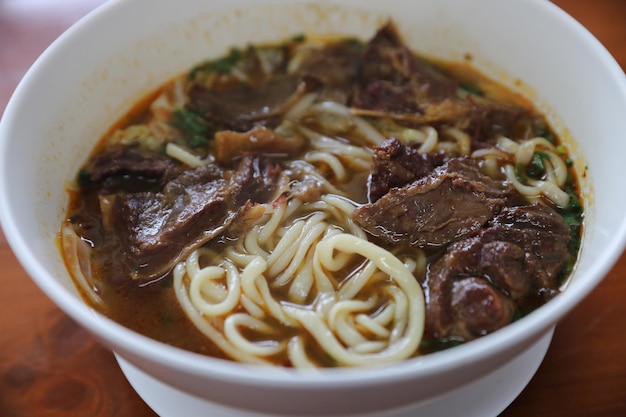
(242, 107)
(396, 165)
(229, 144)
(513, 264)
(393, 102)
(247, 216)
(449, 203)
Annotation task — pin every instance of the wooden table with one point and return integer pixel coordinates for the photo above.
(51, 367)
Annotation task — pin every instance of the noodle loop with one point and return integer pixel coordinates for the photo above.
(316, 284)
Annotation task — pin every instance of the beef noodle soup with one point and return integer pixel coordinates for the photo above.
(322, 203)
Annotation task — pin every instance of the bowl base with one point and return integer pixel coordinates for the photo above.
(496, 390)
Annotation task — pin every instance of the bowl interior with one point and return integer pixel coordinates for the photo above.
(86, 80)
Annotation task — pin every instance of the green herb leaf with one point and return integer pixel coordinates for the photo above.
(472, 89)
(226, 64)
(520, 170)
(83, 178)
(536, 169)
(223, 65)
(435, 345)
(549, 136)
(196, 129)
(573, 216)
(353, 42)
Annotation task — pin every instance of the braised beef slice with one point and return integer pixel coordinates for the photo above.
(513, 264)
(490, 120)
(243, 106)
(479, 307)
(254, 180)
(123, 164)
(539, 230)
(388, 61)
(259, 69)
(395, 164)
(154, 227)
(449, 203)
(157, 229)
(395, 83)
(336, 66)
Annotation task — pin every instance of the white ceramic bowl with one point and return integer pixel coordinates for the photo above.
(95, 71)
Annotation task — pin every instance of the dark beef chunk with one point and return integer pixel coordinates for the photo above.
(254, 180)
(110, 167)
(396, 165)
(449, 203)
(388, 61)
(336, 66)
(259, 70)
(395, 83)
(479, 307)
(512, 264)
(489, 120)
(157, 229)
(538, 230)
(242, 107)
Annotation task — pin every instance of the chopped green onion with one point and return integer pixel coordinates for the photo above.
(223, 65)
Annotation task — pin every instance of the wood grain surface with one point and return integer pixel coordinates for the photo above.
(49, 366)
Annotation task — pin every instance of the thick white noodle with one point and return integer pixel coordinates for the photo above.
(361, 317)
(339, 172)
(554, 179)
(548, 189)
(204, 325)
(463, 140)
(355, 156)
(432, 138)
(183, 155)
(300, 107)
(77, 255)
(369, 132)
